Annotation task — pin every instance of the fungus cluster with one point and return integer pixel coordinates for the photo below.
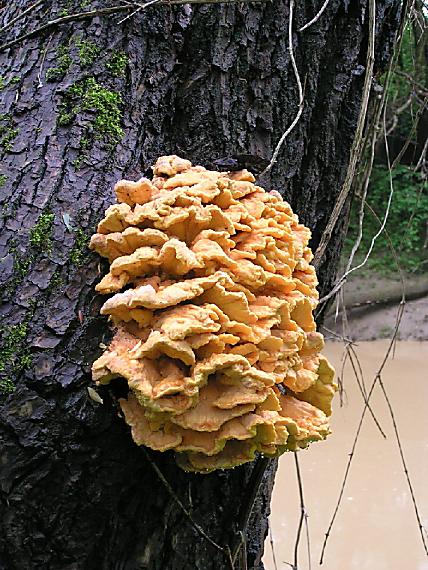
(212, 303)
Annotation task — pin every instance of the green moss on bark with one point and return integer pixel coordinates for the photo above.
(8, 132)
(14, 355)
(80, 249)
(117, 63)
(63, 64)
(41, 234)
(90, 96)
(40, 241)
(87, 51)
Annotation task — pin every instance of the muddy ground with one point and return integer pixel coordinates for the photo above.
(372, 304)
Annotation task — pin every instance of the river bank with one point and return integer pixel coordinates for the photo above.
(374, 322)
(372, 304)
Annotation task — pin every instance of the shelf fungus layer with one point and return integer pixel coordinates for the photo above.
(212, 297)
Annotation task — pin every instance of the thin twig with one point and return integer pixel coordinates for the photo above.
(415, 123)
(347, 341)
(275, 565)
(243, 550)
(412, 80)
(360, 386)
(363, 198)
(300, 90)
(397, 113)
(140, 8)
(21, 15)
(376, 129)
(316, 17)
(308, 542)
(357, 143)
(337, 336)
(345, 478)
(422, 158)
(344, 277)
(415, 207)
(229, 557)
(360, 425)
(403, 461)
(341, 376)
(174, 497)
(107, 11)
(39, 75)
(377, 377)
(64, 20)
(393, 251)
(303, 514)
(415, 506)
(360, 369)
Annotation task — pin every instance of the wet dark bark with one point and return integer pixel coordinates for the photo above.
(203, 82)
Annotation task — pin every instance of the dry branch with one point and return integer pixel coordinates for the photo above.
(405, 468)
(358, 431)
(303, 515)
(300, 90)
(357, 145)
(21, 15)
(339, 284)
(316, 17)
(275, 565)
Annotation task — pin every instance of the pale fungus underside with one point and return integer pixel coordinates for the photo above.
(215, 334)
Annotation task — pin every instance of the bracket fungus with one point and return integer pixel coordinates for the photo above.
(213, 299)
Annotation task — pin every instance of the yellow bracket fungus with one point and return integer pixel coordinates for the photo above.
(214, 332)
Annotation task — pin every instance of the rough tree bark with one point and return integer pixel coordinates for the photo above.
(203, 82)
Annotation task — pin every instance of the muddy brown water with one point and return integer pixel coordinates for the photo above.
(375, 528)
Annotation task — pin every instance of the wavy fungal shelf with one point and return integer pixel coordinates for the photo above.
(213, 299)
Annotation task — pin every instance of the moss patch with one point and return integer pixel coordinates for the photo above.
(84, 145)
(8, 132)
(21, 265)
(64, 61)
(41, 234)
(87, 51)
(56, 281)
(105, 109)
(117, 63)
(40, 241)
(90, 96)
(3, 179)
(80, 248)
(4, 83)
(15, 356)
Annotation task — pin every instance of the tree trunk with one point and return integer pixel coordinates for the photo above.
(200, 81)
